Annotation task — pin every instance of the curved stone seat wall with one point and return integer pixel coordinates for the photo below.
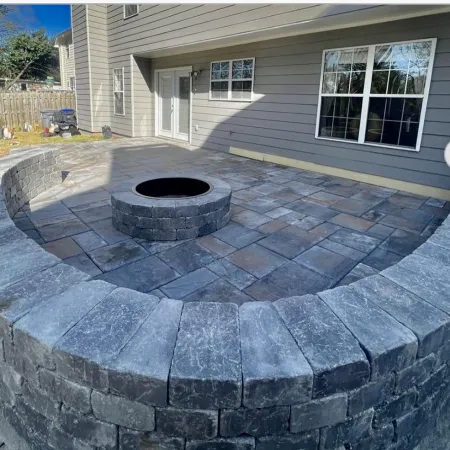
(87, 365)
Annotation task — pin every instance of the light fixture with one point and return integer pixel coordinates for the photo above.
(195, 74)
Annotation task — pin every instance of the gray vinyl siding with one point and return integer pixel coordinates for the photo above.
(159, 27)
(143, 100)
(282, 118)
(93, 85)
(80, 40)
(101, 79)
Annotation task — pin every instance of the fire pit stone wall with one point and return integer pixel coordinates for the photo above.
(170, 219)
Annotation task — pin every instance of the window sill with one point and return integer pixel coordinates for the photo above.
(119, 115)
(129, 17)
(369, 144)
(230, 100)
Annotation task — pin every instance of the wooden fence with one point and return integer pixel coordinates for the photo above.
(18, 108)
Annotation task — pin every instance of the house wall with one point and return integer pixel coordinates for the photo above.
(82, 70)
(101, 76)
(143, 105)
(66, 64)
(161, 27)
(282, 118)
(93, 78)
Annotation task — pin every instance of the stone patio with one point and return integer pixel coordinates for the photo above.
(292, 232)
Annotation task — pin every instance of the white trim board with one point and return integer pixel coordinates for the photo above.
(132, 93)
(91, 98)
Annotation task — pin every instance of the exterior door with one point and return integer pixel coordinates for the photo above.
(166, 95)
(174, 104)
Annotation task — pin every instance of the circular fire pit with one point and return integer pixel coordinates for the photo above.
(172, 207)
(172, 187)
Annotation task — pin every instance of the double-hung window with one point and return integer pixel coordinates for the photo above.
(118, 92)
(376, 94)
(130, 11)
(232, 80)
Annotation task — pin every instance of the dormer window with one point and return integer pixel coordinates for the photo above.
(130, 11)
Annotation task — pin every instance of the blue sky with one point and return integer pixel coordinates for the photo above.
(54, 18)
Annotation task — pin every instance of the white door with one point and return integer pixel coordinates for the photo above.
(166, 95)
(174, 104)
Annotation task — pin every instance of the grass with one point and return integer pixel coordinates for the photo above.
(23, 139)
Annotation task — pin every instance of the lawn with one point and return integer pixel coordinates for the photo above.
(23, 139)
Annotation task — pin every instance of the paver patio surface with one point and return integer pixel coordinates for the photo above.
(291, 232)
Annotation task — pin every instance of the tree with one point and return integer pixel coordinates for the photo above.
(26, 55)
(7, 26)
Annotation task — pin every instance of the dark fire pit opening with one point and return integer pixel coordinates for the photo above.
(172, 188)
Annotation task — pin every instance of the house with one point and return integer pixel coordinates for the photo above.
(23, 85)
(64, 44)
(357, 91)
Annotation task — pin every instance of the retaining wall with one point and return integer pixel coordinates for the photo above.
(87, 365)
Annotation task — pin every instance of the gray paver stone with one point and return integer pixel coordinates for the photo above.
(319, 413)
(389, 344)
(22, 259)
(370, 395)
(334, 354)
(140, 374)
(88, 429)
(188, 423)
(243, 443)
(396, 407)
(415, 374)
(100, 335)
(348, 432)
(307, 441)
(254, 422)
(184, 286)
(424, 277)
(71, 394)
(18, 299)
(428, 323)
(113, 256)
(275, 372)
(37, 332)
(119, 410)
(206, 359)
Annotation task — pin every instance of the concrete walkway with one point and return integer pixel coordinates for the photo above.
(292, 232)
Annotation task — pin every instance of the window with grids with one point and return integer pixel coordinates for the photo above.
(130, 10)
(376, 94)
(232, 80)
(118, 86)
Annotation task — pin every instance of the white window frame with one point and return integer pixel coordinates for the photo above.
(73, 85)
(122, 91)
(131, 15)
(230, 80)
(366, 95)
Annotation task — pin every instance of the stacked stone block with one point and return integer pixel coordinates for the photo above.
(30, 177)
(85, 365)
(159, 219)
